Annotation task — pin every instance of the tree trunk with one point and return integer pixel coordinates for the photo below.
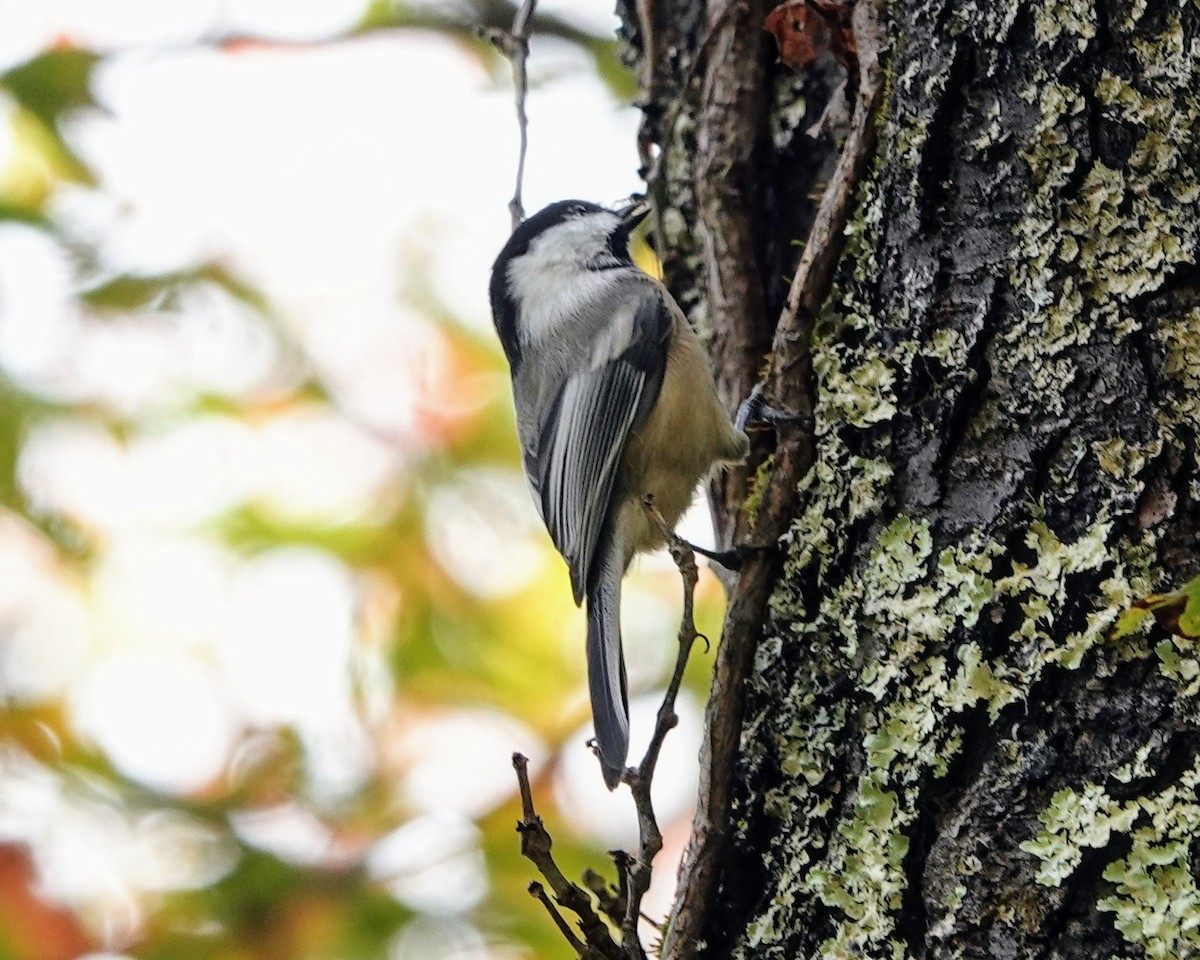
(924, 738)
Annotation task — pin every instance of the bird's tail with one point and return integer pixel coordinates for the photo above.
(606, 664)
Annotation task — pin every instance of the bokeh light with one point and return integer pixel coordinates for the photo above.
(275, 606)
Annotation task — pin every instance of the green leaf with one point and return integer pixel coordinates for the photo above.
(1129, 622)
(22, 214)
(1177, 612)
(18, 411)
(128, 292)
(53, 82)
(48, 86)
(622, 83)
(466, 20)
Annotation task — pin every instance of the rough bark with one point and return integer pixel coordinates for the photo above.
(940, 749)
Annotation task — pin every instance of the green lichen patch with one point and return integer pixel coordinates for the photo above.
(1137, 768)
(1124, 460)
(1179, 340)
(1074, 821)
(1042, 589)
(1179, 660)
(889, 622)
(976, 680)
(1133, 13)
(758, 487)
(839, 484)
(1071, 20)
(1156, 904)
(1120, 230)
(864, 880)
(894, 635)
(861, 394)
(912, 599)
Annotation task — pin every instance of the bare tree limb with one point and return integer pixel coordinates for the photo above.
(611, 903)
(514, 44)
(539, 892)
(535, 846)
(788, 384)
(624, 904)
(640, 778)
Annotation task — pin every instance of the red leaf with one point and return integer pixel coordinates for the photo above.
(799, 31)
(804, 29)
(31, 928)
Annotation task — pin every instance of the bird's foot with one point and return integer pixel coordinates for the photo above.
(734, 558)
(755, 413)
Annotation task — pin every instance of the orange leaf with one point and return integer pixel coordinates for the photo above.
(804, 29)
(31, 928)
(799, 31)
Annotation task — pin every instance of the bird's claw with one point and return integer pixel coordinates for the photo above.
(734, 558)
(754, 413)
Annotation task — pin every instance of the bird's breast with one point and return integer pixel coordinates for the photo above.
(685, 434)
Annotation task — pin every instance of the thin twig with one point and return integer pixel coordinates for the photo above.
(521, 765)
(514, 44)
(520, 33)
(638, 870)
(538, 891)
(610, 903)
(621, 860)
(535, 847)
(624, 904)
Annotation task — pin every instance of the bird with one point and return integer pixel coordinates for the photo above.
(615, 401)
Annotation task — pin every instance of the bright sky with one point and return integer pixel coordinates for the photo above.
(333, 178)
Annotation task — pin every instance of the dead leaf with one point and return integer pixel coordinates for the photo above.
(799, 31)
(1177, 612)
(804, 29)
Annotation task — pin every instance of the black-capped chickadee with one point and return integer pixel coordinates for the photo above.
(614, 400)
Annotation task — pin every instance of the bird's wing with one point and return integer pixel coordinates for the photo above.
(573, 457)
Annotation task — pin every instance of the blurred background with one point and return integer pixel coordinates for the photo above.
(275, 606)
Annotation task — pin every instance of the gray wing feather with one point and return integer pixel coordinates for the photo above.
(596, 413)
(572, 459)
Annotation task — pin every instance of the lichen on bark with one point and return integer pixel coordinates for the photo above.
(944, 751)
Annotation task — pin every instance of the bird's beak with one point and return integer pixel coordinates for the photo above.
(633, 214)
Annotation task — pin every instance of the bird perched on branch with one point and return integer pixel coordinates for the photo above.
(614, 400)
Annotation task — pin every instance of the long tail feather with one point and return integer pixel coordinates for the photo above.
(606, 664)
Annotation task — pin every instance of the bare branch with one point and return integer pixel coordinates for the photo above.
(521, 765)
(535, 847)
(814, 273)
(538, 891)
(611, 903)
(514, 44)
(624, 904)
(520, 31)
(788, 384)
(637, 871)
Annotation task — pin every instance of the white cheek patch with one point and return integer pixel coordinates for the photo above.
(553, 295)
(556, 286)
